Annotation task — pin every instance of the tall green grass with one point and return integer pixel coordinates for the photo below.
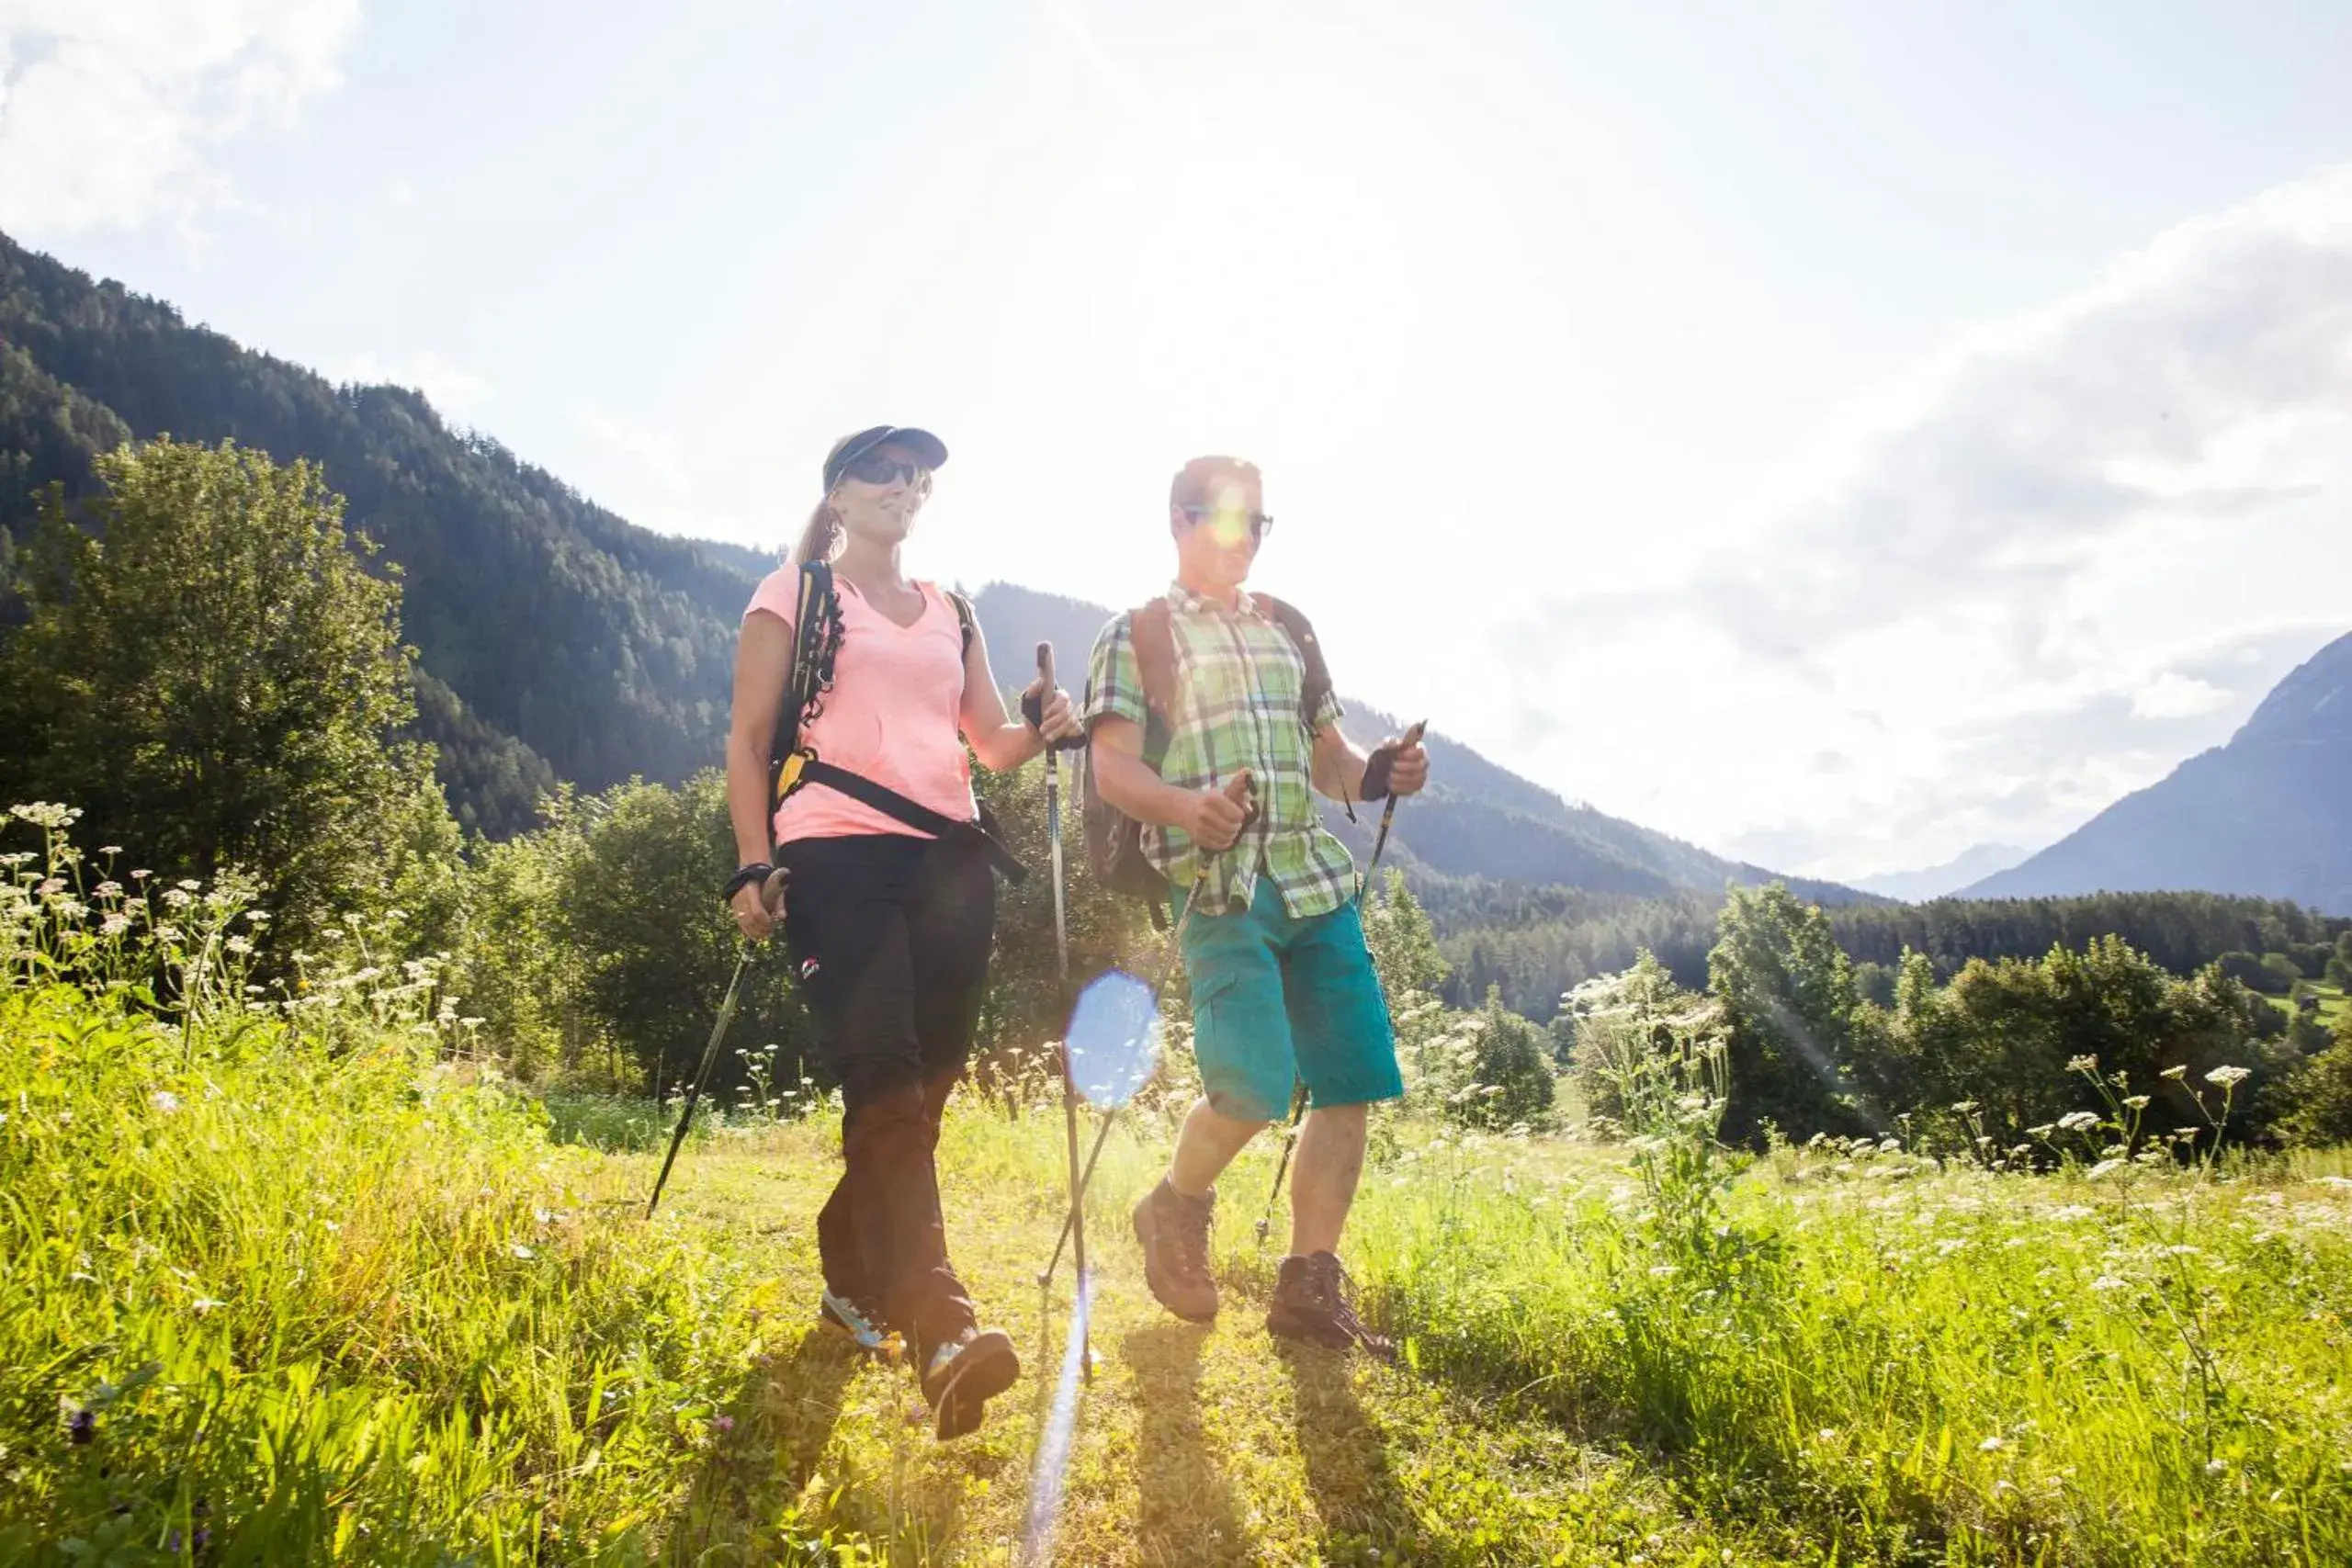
(297, 1280)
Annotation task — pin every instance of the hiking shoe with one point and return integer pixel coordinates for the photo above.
(1311, 1303)
(1175, 1231)
(860, 1321)
(961, 1375)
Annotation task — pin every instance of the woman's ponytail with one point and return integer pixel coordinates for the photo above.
(817, 540)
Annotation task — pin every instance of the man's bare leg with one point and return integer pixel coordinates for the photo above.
(1206, 1145)
(1331, 1163)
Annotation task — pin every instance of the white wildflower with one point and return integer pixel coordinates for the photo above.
(164, 1099)
(2077, 1120)
(1991, 1446)
(2228, 1078)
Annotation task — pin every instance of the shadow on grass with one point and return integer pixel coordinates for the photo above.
(1187, 1512)
(741, 1504)
(1346, 1452)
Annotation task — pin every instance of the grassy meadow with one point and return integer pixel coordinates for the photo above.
(279, 1289)
(2333, 1004)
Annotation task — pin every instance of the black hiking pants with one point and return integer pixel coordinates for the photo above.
(889, 937)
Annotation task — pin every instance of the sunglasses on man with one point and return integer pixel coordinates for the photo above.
(1261, 523)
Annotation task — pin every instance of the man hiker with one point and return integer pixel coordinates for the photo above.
(1230, 691)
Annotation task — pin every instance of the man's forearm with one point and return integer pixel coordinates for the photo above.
(1131, 785)
(1338, 766)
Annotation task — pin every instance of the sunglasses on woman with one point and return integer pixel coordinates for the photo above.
(1261, 523)
(874, 469)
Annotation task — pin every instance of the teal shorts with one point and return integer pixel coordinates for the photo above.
(1276, 999)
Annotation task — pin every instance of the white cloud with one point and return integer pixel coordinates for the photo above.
(111, 109)
(2033, 576)
(454, 391)
(2177, 696)
(658, 450)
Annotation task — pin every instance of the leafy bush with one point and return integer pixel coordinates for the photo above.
(1619, 1023)
(1490, 1068)
(2246, 968)
(2280, 973)
(2319, 1095)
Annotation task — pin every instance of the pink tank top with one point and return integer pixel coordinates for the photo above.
(894, 714)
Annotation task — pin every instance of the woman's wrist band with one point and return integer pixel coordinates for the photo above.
(745, 874)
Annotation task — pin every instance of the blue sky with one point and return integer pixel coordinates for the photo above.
(1837, 436)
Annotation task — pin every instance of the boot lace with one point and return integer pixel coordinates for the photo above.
(1189, 1237)
(1333, 1291)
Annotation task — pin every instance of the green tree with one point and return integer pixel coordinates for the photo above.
(1509, 1079)
(1787, 995)
(512, 968)
(2319, 1093)
(1403, 942)
(2280, 973)
(638, 903)
(209, 674)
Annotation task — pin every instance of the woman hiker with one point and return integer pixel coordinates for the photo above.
(888, 905)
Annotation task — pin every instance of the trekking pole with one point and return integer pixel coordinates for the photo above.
(1167, 973)
(1387, 817)
(1298, 1096)
(770, 890)
(1074, 1224)
(1281, 1167)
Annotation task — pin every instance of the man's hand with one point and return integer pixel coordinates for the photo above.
(1216, 816)
(1409, 768)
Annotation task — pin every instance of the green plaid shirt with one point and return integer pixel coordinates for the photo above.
(1239, 681)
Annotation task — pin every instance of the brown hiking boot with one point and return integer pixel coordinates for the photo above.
(1311, 1303)
(1175, 1231)
(960, 1376)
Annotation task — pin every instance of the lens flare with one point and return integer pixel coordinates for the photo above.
(1054, 1440)
(1113, 1039)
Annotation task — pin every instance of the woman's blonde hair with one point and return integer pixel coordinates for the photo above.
(818, 539)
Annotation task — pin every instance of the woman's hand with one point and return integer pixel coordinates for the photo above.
(1055, 717)
(757, 906)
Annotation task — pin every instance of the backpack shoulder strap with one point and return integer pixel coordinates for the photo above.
(816, 639)
(965, 619)
(1154, 634)
(1317, 684)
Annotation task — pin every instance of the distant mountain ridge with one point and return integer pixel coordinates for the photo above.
(1477, 819)
(2269, 814)
(558, 641)
(1972, 865)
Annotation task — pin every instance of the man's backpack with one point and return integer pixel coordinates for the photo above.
(815, 644)
(1114, 838)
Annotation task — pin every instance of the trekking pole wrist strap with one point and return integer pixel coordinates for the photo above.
(1375, 773)
(745, 874)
